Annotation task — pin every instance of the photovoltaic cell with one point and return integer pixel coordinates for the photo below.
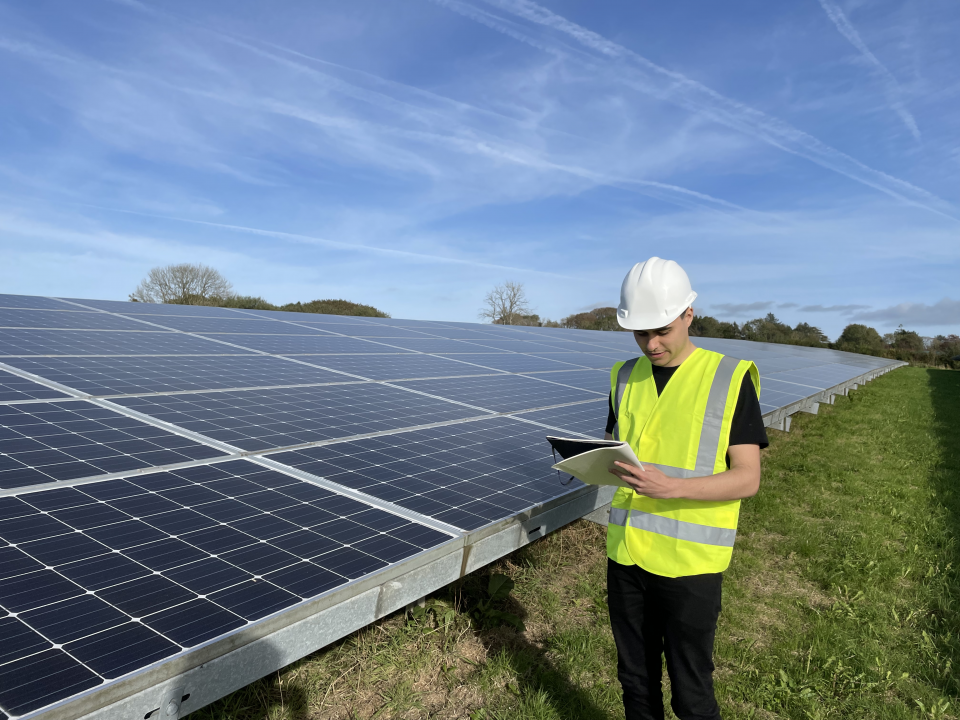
(588, 419)
(32, 301)
(397, 367)
(513, 362)
(501, 394)
(66, 319)
(13, 387)
(240, 325)
(588, 360)
(137, 309)
(821, 377)
(57, 441)
(308, 344)
(261, 419)
(301, 316)
(136, 375)
(788, 392)
(368, 330)
(163, 592)
(105, 342)
(451, 333)
(468, 475)
(594, 380)
(521, 346)
(612, 351)
(554, 344)
(435, 345)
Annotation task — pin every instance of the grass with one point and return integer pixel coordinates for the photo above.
(843, 600)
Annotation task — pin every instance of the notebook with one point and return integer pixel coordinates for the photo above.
(590, 460)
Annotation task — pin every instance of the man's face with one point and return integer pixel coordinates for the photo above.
(665, 346)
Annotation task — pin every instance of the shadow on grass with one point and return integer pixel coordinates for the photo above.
(270, 696)
(541, 684)
(945, 395)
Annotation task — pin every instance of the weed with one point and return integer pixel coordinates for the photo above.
(486, 615)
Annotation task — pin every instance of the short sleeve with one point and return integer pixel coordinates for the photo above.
(747, 427)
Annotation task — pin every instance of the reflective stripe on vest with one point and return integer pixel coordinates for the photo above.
(705, 534)
(713, 417)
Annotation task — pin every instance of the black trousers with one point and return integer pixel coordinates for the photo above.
(653, 616)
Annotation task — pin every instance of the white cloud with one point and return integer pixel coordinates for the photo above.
(833, 308)
(738, 309)
(944, 313)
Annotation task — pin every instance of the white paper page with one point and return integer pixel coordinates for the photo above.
(592, 466)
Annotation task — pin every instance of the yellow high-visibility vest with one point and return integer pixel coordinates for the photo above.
(685, 432)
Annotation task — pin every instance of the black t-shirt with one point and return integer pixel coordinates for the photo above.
(747, 427)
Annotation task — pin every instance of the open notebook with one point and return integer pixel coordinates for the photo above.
(590, 460)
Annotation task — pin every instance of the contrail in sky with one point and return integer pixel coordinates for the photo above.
(891, 86)
(628, 67)
(337, 244)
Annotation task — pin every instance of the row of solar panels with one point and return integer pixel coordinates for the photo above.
(170, 475)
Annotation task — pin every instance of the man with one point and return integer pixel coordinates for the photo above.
(693, 419)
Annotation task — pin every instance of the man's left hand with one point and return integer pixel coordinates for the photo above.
(648, 481)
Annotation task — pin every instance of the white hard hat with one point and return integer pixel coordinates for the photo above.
(654, 293)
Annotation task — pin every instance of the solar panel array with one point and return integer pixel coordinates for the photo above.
(170, 475)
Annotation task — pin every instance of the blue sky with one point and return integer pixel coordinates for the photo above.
(801, 158)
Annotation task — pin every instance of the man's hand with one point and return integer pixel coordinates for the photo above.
(742, 480)
(649, 481)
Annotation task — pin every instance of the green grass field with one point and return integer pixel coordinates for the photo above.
(843, 600)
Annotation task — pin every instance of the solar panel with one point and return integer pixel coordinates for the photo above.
(240, 325)
(14, 388)
(398, 367)
(589, 419)
(58, 441)
(130, 534)
(595, 380)
(103, 342)
(158, 309)
(100, 376)
(596, 361)
(514, 362)
(521, 346)
(434, 345)
(369, 330)
(467, 474)
(261, 419)
(316, 344)
(66, 319)
(30, 301)
(301, 316)
(501, 394)
(821, 377)
(109, 578)
(451, 333)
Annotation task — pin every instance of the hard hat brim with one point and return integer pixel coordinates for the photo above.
(653, 320)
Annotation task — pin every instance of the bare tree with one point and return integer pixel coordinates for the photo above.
(506, 304)
(183, 284)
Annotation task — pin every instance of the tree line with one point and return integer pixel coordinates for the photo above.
(507, 304)
(197, 284)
